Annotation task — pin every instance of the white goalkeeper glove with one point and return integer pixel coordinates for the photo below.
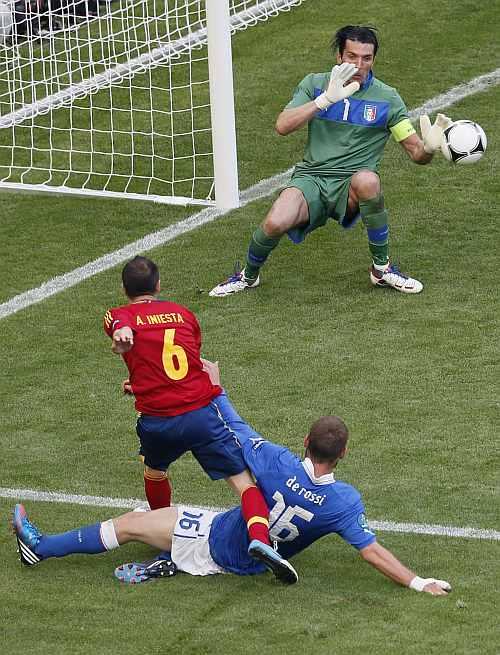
(432, 136)
(336, 90)
(418, 584)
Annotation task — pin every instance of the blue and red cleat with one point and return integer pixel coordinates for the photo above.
(27, 535)
(280, 567)
(136, 572)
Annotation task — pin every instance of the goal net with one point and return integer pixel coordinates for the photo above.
(122, 98)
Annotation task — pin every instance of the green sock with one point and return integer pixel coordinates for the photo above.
(259, 250)
(374, 216)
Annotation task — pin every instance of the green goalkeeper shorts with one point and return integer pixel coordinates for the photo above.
(326, 198)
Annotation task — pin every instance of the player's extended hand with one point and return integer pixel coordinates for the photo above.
(431, 586)
(438, 588)
(336, 90)
(123, 340)
(127, 387)
(432, 135)
(212, 368)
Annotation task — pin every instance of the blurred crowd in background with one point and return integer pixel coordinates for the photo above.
(26, 19)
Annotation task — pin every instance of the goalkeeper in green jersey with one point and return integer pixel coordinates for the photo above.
(350, 115)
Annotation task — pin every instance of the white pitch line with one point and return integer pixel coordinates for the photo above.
(255, 192)
(436, 530)
(455, 94)
(71, 499)
(131, 503)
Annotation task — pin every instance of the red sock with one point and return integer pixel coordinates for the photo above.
(256, 514)
(158, 492)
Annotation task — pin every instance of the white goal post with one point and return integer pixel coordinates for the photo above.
(122, 98)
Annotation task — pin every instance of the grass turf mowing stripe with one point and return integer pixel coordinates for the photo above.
(131, 503)
(150, 241)
(255, 192)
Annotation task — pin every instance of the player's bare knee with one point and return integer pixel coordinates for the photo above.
(365, 184)
(125, 527)
(273, 226)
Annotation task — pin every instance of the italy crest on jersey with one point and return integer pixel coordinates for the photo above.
(370, 113)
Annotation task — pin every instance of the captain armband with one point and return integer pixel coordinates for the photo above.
(402, 130)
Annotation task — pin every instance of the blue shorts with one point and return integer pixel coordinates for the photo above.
(205, 432)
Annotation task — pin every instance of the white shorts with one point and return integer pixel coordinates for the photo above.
(190, 550)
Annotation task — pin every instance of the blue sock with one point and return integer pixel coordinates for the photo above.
(81, 540)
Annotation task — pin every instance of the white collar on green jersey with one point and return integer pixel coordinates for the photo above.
(309, 469)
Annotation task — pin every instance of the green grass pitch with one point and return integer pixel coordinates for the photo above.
(415, 378)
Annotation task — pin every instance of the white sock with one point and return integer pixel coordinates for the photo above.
(381, 267)
(108, 535)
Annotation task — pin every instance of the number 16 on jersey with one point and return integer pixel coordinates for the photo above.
(281, 526)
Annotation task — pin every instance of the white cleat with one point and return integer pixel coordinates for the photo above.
(234, 284)
(392, 277)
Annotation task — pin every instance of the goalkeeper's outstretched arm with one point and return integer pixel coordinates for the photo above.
(421, 150)
(385, 562)
(414, 146)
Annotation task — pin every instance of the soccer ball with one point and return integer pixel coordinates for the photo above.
(464, 142)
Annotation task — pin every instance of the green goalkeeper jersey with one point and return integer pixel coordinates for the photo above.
(350, 134)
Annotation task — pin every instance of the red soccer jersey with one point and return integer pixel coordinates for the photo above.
(164, 363)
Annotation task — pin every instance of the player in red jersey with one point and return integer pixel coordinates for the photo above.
(160, 342)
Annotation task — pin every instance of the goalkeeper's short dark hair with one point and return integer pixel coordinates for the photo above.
(360, 33)
(327, 439)
(139, 276)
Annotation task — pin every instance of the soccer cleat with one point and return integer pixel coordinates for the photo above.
(234, 284)
(392, 277)
(282, 569)
(136, 572)
(27, 535)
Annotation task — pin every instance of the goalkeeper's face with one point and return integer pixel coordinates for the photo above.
(359, 54)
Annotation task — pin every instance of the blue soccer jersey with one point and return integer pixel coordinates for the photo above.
(303, 508)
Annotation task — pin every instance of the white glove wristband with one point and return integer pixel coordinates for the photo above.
(322, 102)
(418, 584)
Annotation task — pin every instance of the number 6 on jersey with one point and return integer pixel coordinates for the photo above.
(174, 357)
